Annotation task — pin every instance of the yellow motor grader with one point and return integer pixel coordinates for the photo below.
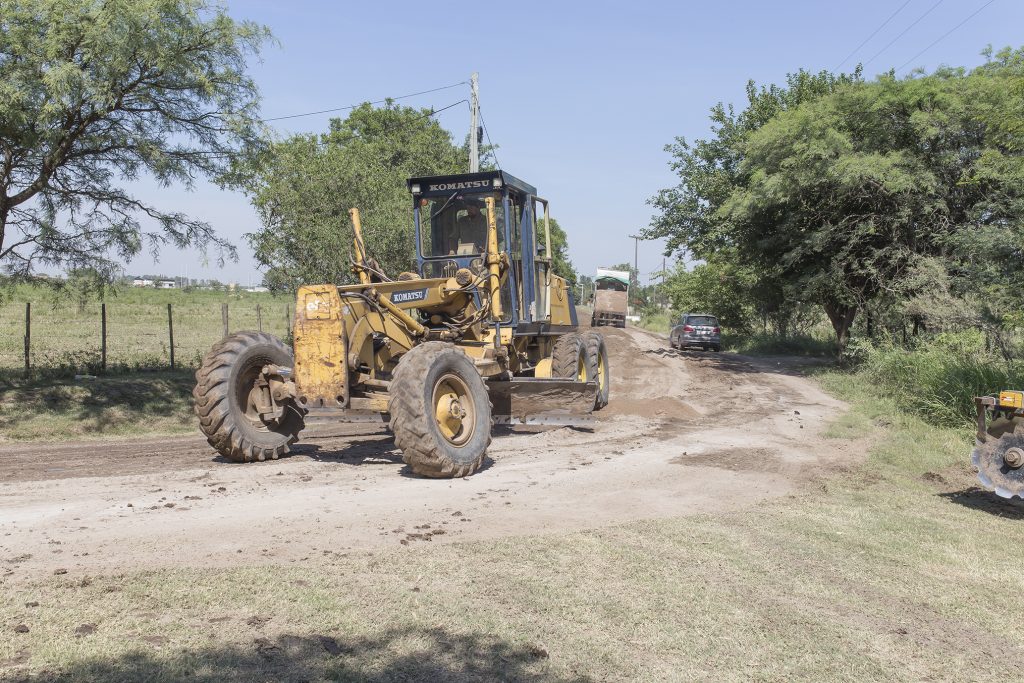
(484, 332)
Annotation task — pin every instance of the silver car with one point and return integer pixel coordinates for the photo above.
(696, 330)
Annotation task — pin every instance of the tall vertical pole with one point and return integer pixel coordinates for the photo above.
(170, 333)
(224, 317)
(474, 118)
(664, 294)
(103, 337)
(28, 338)
(636, 258)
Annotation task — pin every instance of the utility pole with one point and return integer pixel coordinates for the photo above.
(664, 298)
(636, 257)
(474, 116)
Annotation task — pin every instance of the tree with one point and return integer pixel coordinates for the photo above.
(840, 196)
(560, 263)
(844, 196)
(717, 287)
(304, 186)
(95, 94)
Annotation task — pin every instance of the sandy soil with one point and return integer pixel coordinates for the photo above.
(684, 433)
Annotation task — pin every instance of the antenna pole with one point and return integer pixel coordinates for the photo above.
(474, 117)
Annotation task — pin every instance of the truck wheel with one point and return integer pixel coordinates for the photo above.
(598, 357)
(225, 397)
(569, 358)
(440, 411)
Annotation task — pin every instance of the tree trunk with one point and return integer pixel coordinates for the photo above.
(841, 317)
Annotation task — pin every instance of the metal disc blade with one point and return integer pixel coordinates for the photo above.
(993, 473)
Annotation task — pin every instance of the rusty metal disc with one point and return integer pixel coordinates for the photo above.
(994, 458)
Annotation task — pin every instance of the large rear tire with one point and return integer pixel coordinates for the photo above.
(440, 411)
(597, 356)
(223, 399)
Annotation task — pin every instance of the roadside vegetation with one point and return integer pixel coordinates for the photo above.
(892, 204)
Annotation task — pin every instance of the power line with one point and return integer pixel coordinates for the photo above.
(490, 144)
(353, 106)
(432, 112)
(873, 34)
(944, 35)
(904, 32)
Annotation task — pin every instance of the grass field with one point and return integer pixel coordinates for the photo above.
(66, 333)
(58, 409)
(896, 569)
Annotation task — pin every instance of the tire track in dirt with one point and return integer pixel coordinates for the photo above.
(684, 433)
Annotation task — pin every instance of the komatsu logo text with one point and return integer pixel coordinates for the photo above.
(406, 297)
(465, 185)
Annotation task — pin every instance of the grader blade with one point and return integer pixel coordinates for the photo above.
(543, 401)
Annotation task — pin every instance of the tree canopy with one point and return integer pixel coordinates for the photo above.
(303, 187)
(853, 194)
(94, 95)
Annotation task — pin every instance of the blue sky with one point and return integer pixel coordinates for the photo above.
(581, 97)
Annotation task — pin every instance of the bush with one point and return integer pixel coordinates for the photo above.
(939, 377)
(759, 344)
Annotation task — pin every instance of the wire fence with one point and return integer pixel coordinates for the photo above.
(40, 337)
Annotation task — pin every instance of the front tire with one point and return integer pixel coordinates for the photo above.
(440, 411)
(223, 399)
(598, 359)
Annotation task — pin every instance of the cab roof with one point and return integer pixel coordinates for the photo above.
(467, 183)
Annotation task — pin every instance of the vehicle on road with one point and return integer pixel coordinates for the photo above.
(482, 332)
(611, 298)
(696, 330)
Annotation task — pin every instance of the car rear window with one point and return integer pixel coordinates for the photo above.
(702, 321)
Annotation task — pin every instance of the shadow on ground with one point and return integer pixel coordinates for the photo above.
(370, 451)
(795, 366)
(407, 654)
(101, 403)
(986, 501)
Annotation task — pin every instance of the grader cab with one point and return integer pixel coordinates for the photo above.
(484, 332)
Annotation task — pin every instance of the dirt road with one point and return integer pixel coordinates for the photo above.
(684, 433)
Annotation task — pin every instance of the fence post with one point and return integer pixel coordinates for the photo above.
(224, 317)
(170, 333)
(287, 319)
(103, 336)
(259, 319)
(28, 337)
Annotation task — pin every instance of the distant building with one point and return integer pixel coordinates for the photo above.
(139, 282)
(167, 284)
(259, 288)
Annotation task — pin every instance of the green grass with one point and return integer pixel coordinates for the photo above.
(940, 376)
(892, 569)
(148, 403)
(66, 335)
(762, 344)
(656, 321)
